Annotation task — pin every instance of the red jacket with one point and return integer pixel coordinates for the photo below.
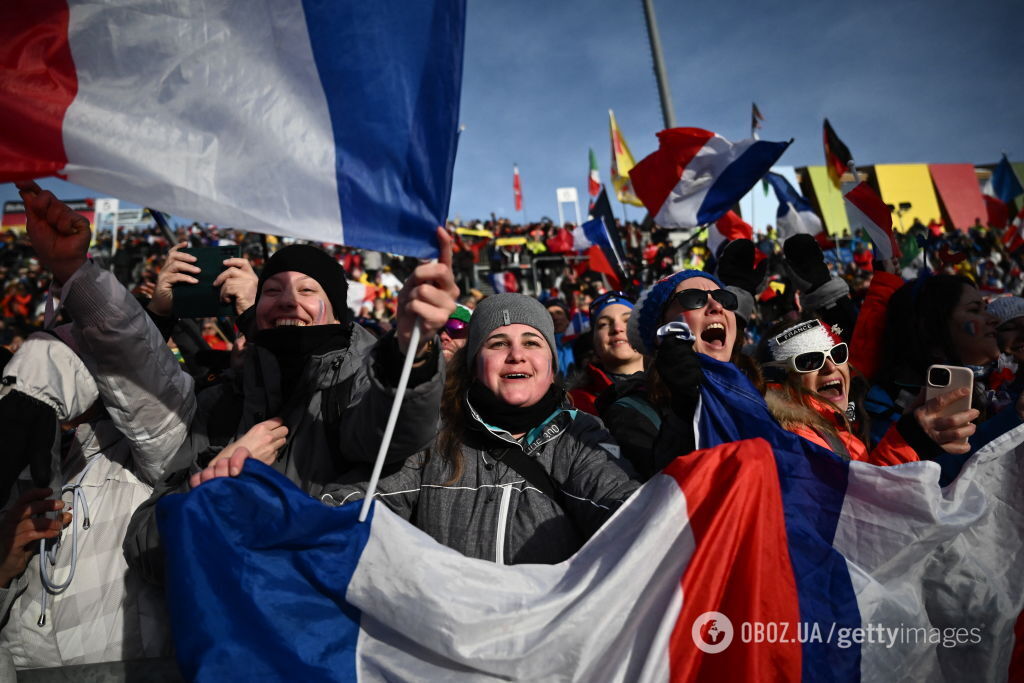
(594, 381)
(868, 334)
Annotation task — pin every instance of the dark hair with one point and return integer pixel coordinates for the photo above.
(453, 413)
(917, 328)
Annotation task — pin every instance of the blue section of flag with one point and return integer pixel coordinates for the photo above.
(1005, 183)
(392, 74)
(738, 177)
(257, 596)
(813, 482)
(786, 195)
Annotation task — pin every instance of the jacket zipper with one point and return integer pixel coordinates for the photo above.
(499, 544)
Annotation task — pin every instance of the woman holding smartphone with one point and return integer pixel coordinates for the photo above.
(941, 319)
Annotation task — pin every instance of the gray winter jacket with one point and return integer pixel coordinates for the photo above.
(492, 512)
(339, 391)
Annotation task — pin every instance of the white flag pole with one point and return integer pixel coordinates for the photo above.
(389, 430)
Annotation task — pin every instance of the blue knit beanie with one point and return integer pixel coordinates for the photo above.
(646, 318)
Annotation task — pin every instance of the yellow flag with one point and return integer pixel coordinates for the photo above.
(622, 162)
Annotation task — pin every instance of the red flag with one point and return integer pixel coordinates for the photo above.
(867, 211)
(517, 188)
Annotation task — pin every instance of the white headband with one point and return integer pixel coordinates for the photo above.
(801, 338)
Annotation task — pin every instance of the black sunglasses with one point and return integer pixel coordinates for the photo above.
(695, 299)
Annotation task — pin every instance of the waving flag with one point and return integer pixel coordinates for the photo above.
(867, 211)
(594, 179)
(1005, 183)
(755, 120)
(326, 121)
(726, 229)
(695, 176)
(795, 215)
(837, 155)
(622, 164)
(517, 188)
(762, 556)
(601, 233)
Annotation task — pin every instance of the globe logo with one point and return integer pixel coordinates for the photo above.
(712, 632)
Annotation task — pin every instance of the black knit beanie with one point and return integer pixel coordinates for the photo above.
(316, 263)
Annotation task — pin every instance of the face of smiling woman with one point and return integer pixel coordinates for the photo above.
(831, 382)
(713, 326)
(514, 362)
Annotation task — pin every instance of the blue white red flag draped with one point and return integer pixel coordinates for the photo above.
(333, 121)
(790, 562)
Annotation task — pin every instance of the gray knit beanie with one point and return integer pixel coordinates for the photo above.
(499, 310)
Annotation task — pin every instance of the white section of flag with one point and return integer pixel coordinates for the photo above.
(605, 614)
(184, 138)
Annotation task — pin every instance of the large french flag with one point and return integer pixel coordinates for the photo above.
(329, 121)
(695, 176)
(760, 557)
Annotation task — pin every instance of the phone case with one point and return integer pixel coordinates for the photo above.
(202, 299)
(959, 377)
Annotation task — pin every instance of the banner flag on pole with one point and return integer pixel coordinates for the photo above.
(1005, 182)
(868, 212)
(755, 120)
(517, 188)
(876, 573)
(332, 122)
(622, 164)
(594, 179)
(695, 176)
(837, 155)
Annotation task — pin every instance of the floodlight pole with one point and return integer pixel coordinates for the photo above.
(667, 113)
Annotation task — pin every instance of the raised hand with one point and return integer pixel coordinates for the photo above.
(238, 284)
(429, 295)
(59, 236)
(176, 268)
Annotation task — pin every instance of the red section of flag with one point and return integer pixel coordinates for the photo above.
(517, 188)
(599, 263)
(733, 227)
(38, 82)
(998, 213)
(867, 201)
(740, 565)
(659, 172)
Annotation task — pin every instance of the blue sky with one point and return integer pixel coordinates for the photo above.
(901, 81)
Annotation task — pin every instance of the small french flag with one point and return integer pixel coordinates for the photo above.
(695, 176)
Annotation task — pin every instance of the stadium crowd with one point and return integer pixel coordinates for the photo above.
(543, 394)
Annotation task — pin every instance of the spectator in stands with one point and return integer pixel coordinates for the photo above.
(314, 393)
(455, 332)
(559, 312)
(515, 475)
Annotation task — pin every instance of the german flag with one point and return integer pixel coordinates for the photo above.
(837, 155)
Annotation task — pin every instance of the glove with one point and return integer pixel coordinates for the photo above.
(806, 262)
(680, 370)
(736, 266)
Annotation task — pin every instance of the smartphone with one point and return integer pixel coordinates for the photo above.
(202, 299)
(943, 379)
